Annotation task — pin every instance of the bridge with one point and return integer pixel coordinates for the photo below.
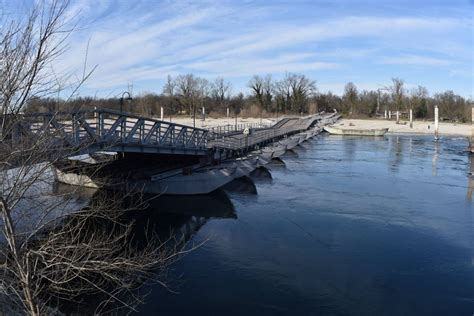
(85, 132)
(106, 130)
(153, 156)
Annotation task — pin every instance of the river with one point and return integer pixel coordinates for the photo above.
(359, 226)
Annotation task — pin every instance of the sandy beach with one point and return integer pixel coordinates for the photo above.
(419, 127)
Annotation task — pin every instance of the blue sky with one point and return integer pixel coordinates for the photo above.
(427, 43)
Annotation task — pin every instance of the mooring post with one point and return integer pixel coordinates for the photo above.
(389, 115)
(472, 135)
(203, 113)
(227, 112)
(398, 116)
(162, 116)
(436, 113)
(385, 116)
(411, 118)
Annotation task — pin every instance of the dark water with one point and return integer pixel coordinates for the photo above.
(358, 226)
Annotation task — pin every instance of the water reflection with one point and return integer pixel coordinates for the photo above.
(470, 186)
(181, 216)
(261, 174)
(291, 153)
(396, 150)
(350, 147)
(242, 185)
(434, 161)
(322, 240)
(165, 224)
(276, 162)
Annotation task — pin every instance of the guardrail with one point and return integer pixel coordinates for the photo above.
(256, 137)
(232, 129)
(106, 127)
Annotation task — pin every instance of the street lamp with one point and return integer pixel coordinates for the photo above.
(129, 99)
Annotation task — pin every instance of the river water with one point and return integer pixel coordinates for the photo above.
(359, 226)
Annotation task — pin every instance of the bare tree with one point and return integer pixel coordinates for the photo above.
(350, 95)
(48, 253)
(262, 89)
(203, 89)
(221, 91)
(268, 92)
(418, 101)
(186, 89)
(397, 93)
(301, 89)
(169, 87)
(256, 84)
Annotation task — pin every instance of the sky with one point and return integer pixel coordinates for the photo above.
(137, 44)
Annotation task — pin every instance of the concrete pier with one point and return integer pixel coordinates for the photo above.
(162, 114)
(398, 117)
(436, 118)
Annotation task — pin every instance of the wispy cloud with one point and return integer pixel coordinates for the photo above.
(417, 60)
(143, 42)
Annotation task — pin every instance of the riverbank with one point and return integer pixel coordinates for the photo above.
(419, 127)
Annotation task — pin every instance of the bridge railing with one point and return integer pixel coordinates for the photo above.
(257, 137)
(232, 129)
(106, 127)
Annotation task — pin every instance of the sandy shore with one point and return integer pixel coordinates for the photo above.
(419, 127)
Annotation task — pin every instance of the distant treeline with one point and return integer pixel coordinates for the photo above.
(294, 94)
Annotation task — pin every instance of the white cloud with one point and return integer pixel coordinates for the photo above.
(416, 60)
(148, 41)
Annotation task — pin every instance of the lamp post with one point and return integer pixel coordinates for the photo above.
(124, 122)
(122, 98)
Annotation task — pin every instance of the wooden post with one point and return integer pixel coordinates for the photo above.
(162, 114)
(436, 113)
(411, 118)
